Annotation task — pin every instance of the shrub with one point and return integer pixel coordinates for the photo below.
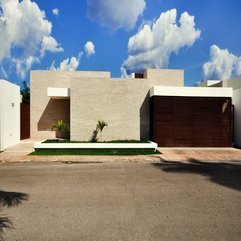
(59, 126)
(101, 124)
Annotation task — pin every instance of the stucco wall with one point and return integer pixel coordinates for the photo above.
(9, 114)
(43, 110)
(122, 103)
(166, 77)
(237, 116)
(235, 83)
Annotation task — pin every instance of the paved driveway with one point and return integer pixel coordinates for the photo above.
(132, 201)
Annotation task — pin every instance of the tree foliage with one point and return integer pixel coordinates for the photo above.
(25, 92)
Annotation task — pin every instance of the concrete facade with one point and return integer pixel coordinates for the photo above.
(122, 103)
(234, 83)
(9, 114)
(44, 110)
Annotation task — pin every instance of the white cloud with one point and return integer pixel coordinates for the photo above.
(55, 11)
(50, 44)
(222, 65)
(24, 65)
(89, 48)
(124, 73)
(69, 64)
(24, 29)
(3, 73)
(115, 14)
(152, 46)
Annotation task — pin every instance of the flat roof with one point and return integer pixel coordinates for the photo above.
(191, 91)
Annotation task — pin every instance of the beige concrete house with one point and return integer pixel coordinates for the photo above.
(151, 106)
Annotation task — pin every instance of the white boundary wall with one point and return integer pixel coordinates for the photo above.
(237, 116)
(150, 145)
(9, 114)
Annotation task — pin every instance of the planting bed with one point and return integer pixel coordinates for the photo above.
(126, 147)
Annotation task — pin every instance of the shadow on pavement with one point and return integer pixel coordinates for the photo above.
(225, 174)
(5, 223)
(12, 198)
(9, 199)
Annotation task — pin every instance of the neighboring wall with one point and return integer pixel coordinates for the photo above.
(122, 103)
(9, 114)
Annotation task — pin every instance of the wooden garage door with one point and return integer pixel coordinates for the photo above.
(191, 121)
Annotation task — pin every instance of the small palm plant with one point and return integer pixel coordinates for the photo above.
(100, 126)
(59, 126)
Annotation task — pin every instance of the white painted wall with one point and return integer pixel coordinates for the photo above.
(237, 116)
(9, 114)
(58, 92)
(191, 91)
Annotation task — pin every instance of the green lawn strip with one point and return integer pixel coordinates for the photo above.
(114, 141)
(94, 152)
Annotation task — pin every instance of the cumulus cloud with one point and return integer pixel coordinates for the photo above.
(50, 44)
(222, 65)
(124, 73)
(115, 14)
(23, 65)
(89, 48)
(69, 64)
(152, 46)
(3, 73)
(55, 11)
(25, 33)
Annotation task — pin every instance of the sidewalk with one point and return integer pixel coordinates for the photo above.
(19, 153)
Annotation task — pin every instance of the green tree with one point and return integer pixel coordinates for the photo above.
(25, 92)
(100, 126)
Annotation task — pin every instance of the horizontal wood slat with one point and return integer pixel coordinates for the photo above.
(191, 121)
(24, 121)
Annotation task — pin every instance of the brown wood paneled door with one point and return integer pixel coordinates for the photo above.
(24, 121)
(191, 121)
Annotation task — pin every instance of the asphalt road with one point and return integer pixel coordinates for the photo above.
(120, 201)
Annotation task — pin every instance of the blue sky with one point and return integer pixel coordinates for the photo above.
(207, 44)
